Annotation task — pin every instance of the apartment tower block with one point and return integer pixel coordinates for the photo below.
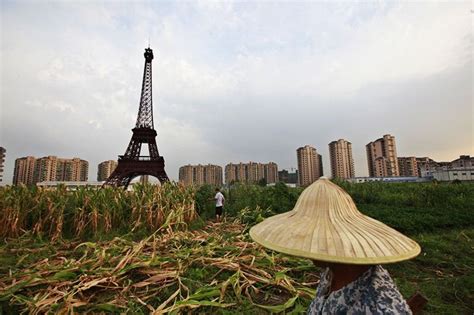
(382, 157)
(105, 169)
(408, 166)
(29, 170)
(200, 175)
(310, 165)
(342, 163)
(251, 172)
(24, 171)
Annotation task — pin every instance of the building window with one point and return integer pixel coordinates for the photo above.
(455, 174)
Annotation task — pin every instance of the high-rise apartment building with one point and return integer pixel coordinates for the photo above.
(255, 172)
(186, 175)
(310, 165)
(52, 168)
(213, 175)
(29, 170)
(200, 175)
(416, 166)
(271, 172)
(24, 171)
(72, 170)
(230, 173)
(382, 157)
(46, 169)
(241, 172)
(2, 160)
(105, 169)
(408, 166)
(235, 172)
(342, 163)
(251, 172)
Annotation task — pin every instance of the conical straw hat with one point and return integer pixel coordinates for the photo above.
(325, 225)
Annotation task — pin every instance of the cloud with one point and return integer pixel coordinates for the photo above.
(236, 81)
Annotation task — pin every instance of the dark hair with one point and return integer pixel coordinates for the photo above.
(217, 189)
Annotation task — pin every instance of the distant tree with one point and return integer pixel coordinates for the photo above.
(262, 182)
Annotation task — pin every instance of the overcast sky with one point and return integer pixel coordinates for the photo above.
(236, 81)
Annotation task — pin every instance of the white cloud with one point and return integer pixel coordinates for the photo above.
(234, 80)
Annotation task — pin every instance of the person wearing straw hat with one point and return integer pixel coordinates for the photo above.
(326, 227)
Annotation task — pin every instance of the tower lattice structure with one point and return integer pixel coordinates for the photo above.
(132, 164)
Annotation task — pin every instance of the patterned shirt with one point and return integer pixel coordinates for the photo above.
(372, 293)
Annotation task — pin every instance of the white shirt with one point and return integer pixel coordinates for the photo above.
(219, 199)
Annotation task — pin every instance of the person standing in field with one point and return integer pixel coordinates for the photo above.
(219, 198)
(326, 227)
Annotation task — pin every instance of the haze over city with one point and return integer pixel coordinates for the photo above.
(236, 81)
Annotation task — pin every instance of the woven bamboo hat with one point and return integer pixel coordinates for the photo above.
(325, 225)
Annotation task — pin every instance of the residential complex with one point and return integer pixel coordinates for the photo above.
(24, 171)
(425, 163)
(408, 166)
(2, 160)
(235, 173)
(382, 157)
(458, 169)
(391, 179)
(251, 172)
(105, 169)
(29, 170)
(255, 172)
(420, 169)
(213, 175)
(52, 168)
(464, 161)
(310, 165)
(200, 175)
(342, 163)
(384, 165)
(412, 166)
(271, 172)
(186, 175)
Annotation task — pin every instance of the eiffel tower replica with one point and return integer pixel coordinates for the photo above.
(132, 164)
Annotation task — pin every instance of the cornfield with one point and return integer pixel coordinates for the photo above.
(217, 269)
(88, 212)
(148, 251)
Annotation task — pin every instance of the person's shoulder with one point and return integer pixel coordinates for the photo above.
(381, 278)
(383, 290)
